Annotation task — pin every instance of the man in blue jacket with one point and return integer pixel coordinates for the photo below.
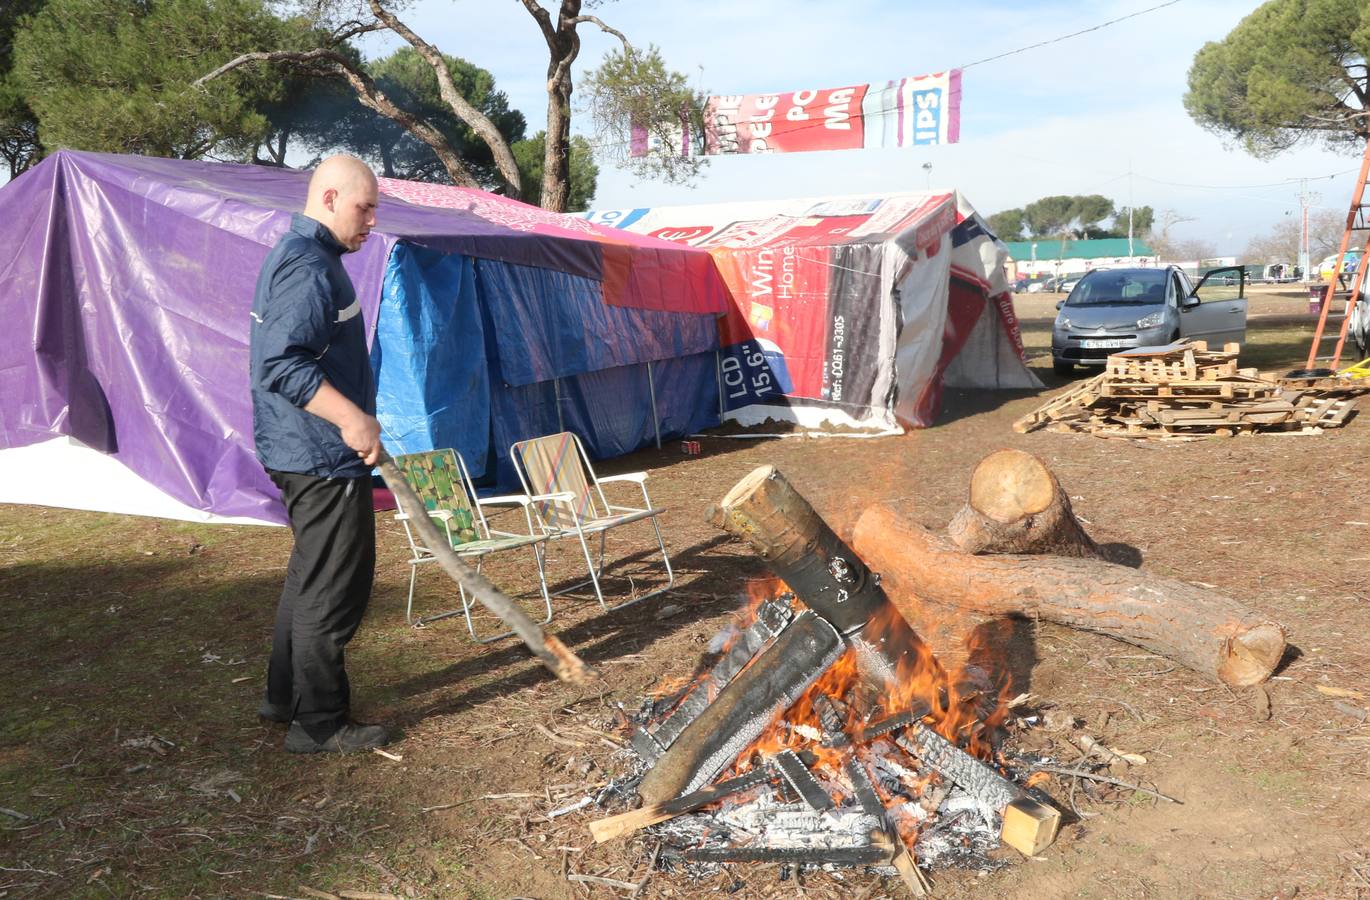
(313, 417)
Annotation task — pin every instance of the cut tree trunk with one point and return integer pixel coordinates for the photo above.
(1016, 505)
(1205, 631)
(764, 511)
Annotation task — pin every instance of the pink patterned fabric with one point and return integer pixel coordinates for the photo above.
(636, 270)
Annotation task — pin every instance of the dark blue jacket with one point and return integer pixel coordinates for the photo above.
(306, 327)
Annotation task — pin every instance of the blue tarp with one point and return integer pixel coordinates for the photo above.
(478, 354)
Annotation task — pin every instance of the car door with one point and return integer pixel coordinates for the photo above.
(1215, 310)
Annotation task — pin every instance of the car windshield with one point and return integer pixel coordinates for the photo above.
(1123, 287)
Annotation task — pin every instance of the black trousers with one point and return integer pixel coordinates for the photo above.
(327, 586)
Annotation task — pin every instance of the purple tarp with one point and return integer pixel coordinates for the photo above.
(125, 286)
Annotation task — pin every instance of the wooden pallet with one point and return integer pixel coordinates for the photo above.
(1183, 391)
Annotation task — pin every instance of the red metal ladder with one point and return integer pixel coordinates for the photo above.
(1355, 223)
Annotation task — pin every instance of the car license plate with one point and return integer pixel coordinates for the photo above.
(1103, 344)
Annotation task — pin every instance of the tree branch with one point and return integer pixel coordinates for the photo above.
(348, 30)
(595, 20)
(1355, 85)
(479, 122)
(332, 62)
(544, 20)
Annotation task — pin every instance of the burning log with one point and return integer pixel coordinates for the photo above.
(798, 777)
(771, 618)
(991, 790)
(744, 709)
(1027, 825)
(766, 512)
(1016, 505)
(1202, 630)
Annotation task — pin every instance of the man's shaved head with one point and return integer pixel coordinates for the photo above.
(342, 196)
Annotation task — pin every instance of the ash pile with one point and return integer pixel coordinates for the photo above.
(822, 731)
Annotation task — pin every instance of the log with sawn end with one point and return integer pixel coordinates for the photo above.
(1198, 628)
(1016, 505)
(1026, 825)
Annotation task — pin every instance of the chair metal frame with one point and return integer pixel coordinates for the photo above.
(490, 541)
(600, 520)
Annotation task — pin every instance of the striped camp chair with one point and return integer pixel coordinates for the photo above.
(568, 502)
(441, 481)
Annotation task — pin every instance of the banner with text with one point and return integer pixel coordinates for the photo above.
(924, 109)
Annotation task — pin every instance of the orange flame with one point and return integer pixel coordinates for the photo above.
(966, 704)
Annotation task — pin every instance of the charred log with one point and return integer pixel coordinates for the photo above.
(744, 709)
(1203, 630)
(870, 855)
(798, 777)
(771, 617)
(626, 823)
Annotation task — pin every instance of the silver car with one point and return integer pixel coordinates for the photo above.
(1119, 309)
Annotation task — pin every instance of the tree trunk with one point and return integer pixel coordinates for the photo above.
(556, 159)
(1016, 505)
(1205, 631)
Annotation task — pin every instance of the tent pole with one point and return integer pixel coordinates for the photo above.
(718, 367)
(651, 390)
(556, 386)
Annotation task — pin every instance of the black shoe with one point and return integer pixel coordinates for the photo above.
(270, 712)
(347, 739)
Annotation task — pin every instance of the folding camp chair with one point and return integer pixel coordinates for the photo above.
(568, 502)
(441, 481)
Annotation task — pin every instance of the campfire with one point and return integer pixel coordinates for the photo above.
(823, 730)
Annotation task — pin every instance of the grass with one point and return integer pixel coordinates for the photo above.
(121, 728)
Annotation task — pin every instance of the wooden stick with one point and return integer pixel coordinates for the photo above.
(1079, 773)
(626, 823)
(903, 862)
(607, 882)
(554, 654)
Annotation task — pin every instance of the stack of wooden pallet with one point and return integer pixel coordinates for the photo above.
(1184, 391)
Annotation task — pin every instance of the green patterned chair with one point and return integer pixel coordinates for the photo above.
(441, 481)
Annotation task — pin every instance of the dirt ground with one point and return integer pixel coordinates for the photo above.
(132, 762)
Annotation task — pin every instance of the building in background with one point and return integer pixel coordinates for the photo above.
(1053, 258)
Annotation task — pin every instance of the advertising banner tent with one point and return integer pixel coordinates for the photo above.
(852, 310)
(126, 284)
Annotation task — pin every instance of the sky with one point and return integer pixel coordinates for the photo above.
(1100, 113)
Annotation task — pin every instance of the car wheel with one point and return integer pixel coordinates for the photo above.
(1062, 368)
